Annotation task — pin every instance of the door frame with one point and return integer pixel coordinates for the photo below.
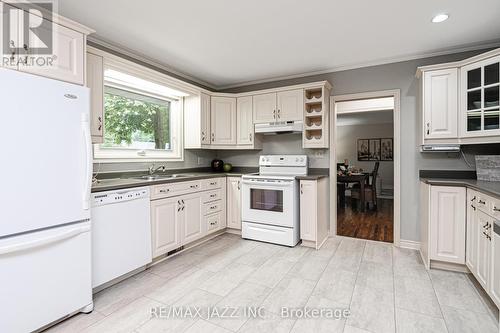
(396, 94)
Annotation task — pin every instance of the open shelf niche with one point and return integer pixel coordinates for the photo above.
(316, 111)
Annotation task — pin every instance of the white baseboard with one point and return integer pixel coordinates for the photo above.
(409, 244)
(446, 266)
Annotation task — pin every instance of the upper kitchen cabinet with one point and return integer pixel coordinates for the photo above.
(278, 106)
(316, 108)
(440, 104)
(223, 121)
(67, 40)
(480, 82)
(244, 116)
(264, 108)
(95, 82)
(460, 101)
(197, 121)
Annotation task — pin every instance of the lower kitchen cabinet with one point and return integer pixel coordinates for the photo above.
(234, 202)
(447, 224)
(185, 218)
(495, 268)
(482, 272)
(191, 218)
(165, 224)
(314, 212)
(472, 232)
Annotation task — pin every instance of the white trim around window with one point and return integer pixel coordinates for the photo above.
(176, 154)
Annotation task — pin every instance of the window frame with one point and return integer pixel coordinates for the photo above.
(120, 155)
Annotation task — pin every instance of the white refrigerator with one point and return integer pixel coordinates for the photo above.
(45, 170)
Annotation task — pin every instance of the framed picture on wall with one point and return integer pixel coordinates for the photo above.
(374, 150)
(363, 150)
(386, 149)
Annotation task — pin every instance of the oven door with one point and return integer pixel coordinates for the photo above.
(269, 201)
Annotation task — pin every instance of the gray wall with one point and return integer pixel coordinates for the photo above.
(347, 141)
(401, 76)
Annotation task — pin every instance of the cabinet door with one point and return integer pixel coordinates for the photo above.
(67, 62)
(223, 124)
(244, 119)
(480, 102)
(95, 81)
(166, 224)
(441, 104)
(264, 108)
(234, 203)
(447, 224)
(495, 268)
(290, 105)
(308, 210)
(205, 118)
(192, 227)
(9, 58)
(471, 246)
(483, 250)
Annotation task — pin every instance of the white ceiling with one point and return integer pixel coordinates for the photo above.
(365, 118)
(231, 42)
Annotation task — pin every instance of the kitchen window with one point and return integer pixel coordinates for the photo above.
(142, 117)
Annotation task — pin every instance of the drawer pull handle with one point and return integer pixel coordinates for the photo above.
(165, 190)
(213, 183)
(487, 236)
(481, 202)
(213, 207)
(473, 207)
(473, 198)
(496, 209)
(213, 195)
(194, 186)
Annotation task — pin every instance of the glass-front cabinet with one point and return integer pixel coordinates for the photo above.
(480, 96)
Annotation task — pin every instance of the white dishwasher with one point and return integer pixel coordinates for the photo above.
(121, 233)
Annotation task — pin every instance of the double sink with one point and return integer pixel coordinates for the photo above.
(160, 177)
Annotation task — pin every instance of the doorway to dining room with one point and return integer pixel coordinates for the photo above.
(364, 156)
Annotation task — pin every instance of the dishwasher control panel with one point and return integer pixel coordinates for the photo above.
(111, 197)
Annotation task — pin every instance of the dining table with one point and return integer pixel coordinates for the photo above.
(345, 180)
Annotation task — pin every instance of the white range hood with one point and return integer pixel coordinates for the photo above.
(280, 127)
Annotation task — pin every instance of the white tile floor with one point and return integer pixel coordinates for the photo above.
(386, 289)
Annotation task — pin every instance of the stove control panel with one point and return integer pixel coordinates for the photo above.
(283, 160)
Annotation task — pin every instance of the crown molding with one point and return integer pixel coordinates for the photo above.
(99, 42)
(475, 47)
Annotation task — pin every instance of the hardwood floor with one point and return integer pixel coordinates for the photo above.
(373, 225)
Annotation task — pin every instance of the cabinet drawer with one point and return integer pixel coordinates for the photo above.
(169, 190)
(211, 184)
(214, 222)
(212, 207)
(482, 202)
(495, 208)
(211, 196)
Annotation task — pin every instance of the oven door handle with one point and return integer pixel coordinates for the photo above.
(285, 183)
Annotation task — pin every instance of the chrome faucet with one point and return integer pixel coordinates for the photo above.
(152, 169)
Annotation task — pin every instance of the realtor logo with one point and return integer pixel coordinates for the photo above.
(27, 29)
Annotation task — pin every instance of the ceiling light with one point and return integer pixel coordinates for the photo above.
(440, 18)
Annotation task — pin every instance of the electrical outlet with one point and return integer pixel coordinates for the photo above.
(319, 154)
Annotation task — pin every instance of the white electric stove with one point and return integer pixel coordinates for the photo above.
(270, 200)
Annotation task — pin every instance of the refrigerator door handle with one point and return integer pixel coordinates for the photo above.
(17, 247)
(88, 160)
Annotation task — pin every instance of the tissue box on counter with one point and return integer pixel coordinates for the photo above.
(488, 167)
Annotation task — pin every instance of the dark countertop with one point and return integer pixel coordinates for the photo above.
(311, 177)
(123, 180)
(465, 178)
(109, 184)
(491, 188)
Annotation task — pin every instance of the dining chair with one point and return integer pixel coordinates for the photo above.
(370, 188)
